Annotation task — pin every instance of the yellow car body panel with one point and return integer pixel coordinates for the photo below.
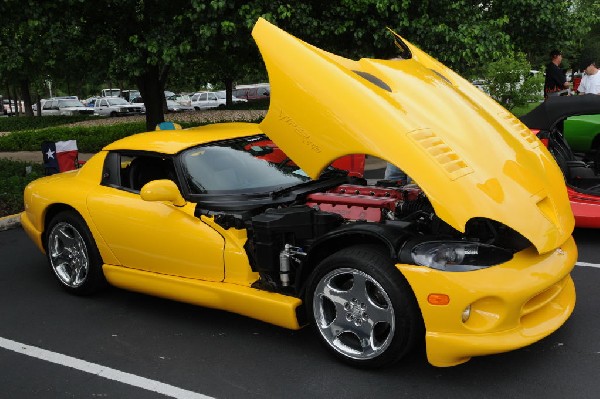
(512, 305)
(173, 141)
(71, 189)
(481, 161)
(270, 307)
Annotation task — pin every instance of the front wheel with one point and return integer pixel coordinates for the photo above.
(73, 255)
(362, 307)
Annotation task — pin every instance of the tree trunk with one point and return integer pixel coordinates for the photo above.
(39, 105)
(151, 89)
(9, 110)
(15, 100)
(228, 91)
(26, 95)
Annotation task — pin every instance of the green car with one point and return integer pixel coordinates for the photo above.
(583, 132)
(576, 117)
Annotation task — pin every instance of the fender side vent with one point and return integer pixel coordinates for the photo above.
(441, 152)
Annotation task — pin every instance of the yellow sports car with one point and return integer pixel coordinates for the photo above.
(475, 259)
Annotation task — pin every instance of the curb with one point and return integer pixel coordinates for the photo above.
(10, 222)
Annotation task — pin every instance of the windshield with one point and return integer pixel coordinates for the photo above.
(69, 103)
(247, 165)
(117, 101)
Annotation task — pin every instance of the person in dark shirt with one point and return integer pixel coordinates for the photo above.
(555, 77)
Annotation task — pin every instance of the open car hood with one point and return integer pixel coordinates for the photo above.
(471, 157)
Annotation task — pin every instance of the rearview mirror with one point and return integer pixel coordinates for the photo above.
(162, 190)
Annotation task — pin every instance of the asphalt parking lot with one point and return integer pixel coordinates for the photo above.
(120, 344)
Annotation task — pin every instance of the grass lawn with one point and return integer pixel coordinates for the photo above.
(520, 111)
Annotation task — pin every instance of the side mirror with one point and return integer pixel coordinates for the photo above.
(162, 190)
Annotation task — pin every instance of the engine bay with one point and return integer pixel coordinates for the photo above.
(283, 237)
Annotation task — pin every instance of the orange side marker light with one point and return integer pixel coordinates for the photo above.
(438, 299)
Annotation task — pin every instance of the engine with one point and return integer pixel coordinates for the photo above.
(282, 236)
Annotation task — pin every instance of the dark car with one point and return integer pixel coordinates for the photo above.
(581, 170)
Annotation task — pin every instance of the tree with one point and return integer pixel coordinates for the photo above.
(536, 27)
(510, 82)
(34, 38)
(141, 41)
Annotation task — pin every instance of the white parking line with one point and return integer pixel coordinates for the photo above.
(100, 371)
(596, 265)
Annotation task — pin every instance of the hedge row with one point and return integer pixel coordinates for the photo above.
(89, 138)
(14, 176)
(15, 124)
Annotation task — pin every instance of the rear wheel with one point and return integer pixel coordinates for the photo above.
(362, 307)
(73, 255)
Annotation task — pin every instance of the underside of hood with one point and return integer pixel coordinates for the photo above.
(471, 157)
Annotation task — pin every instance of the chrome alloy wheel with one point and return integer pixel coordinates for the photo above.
(68, 255)
(353, 313)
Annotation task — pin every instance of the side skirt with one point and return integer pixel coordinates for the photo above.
(269, 307)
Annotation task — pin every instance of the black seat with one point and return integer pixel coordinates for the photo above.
(145, 169)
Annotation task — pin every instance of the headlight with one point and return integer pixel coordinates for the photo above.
(466, 314)
(458, 256)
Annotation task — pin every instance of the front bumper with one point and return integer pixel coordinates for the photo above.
(512, 305)
(32, 232)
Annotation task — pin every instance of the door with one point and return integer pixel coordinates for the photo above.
(50, 108)
(212, 101)
(102, 107)
(153, 236)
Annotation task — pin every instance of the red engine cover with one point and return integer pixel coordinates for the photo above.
(359, 202)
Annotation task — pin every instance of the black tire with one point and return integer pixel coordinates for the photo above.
(73, 255)
(113, 114)
(383, 315)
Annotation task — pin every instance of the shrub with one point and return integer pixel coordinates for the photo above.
(89, 138)
(13, 179)
(15, 124)
(511, 83)
(93, 138)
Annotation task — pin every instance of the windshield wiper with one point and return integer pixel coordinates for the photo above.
(324, 183)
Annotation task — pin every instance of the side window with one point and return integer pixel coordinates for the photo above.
(103, 103)
(195, 97)
(212, 96)
(131, 172)
(47, 105)
(203, 97)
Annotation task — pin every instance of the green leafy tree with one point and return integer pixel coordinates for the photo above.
(34, 39)
(140, 41)
(510, 82)
(536, 27)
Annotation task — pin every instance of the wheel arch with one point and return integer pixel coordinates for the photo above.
(50, 213)
(387, 239)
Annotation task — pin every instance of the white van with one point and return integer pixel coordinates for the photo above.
(207, 100)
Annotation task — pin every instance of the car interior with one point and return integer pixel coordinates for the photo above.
(143, 170)
(581, 171)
